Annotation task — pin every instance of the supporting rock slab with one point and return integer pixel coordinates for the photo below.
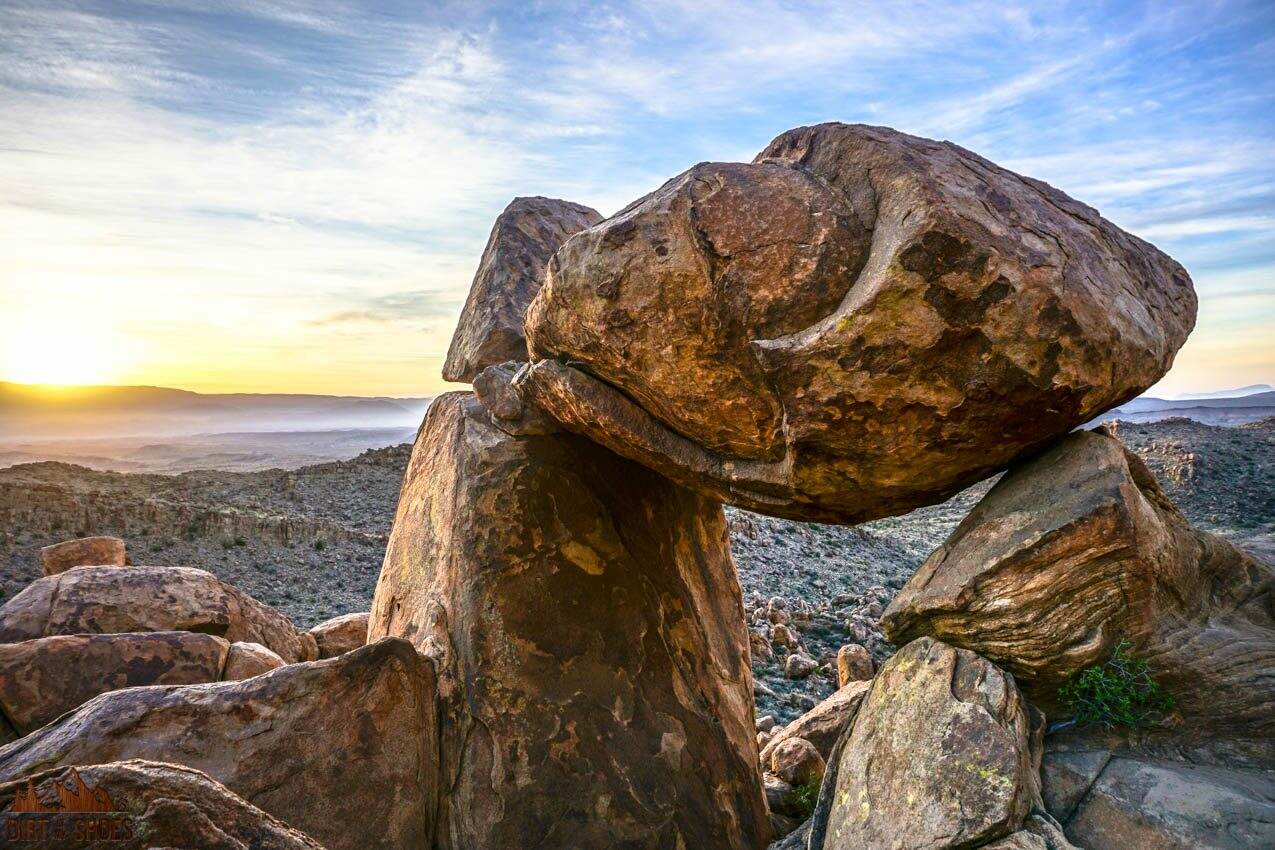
(588, 629)
(1080, 548)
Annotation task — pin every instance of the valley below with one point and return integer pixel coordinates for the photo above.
(309, 540)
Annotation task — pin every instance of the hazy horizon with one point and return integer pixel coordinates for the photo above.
(292, 197)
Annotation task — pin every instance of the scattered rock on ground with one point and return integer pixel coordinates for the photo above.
(341, 634)
(824, 723)
(797, 762)
(247, 659)
(112, 600)
(82, 552)
(854, 664)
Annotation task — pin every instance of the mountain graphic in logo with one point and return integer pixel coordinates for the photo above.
(73, 796)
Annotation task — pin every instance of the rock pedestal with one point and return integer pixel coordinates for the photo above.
(586, 623)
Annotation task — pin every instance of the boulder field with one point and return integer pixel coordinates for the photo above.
(857, 323)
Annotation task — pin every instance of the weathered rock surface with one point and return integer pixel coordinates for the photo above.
(341, 634)
(154, 805)
(1168, 805)
(81, 552)
(510, 274)
(797, 762)
(111, 600)
(824, 723)
(854, 664)
(586, 622)
(344, 749)
(44, 678)
(1039, 832)
(246, 659)
(1080, 548)
(943, 753)
(858, 323)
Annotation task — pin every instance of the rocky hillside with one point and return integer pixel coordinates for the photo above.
(309, 541)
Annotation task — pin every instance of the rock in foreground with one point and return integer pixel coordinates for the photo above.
(586, 622)
(858, 323)
(343, 749)
(44, 678)
(510, 274)
(341, 634)
(1078, 549)
(151, 805)
(943, 753)
(111, 600)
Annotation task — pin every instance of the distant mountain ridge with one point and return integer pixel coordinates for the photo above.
(33, 412)
(1251, 389)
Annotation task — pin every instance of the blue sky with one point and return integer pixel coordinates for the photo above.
(294, 195)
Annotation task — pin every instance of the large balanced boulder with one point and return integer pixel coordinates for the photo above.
(1079, 549)
(943, 753)
(44, 678)
(857, 323)
(83, 551)
(137, 805)
(344, 749)
(588, 629)
(109, 600)
(510, 274)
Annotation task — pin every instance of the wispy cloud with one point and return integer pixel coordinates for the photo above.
(272, 176)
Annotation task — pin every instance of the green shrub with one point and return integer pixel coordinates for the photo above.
(1119, 692)
(320, 545)
(804, 798)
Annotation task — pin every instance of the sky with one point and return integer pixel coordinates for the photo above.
(286, 196)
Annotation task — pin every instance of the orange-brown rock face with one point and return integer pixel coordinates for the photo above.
(112, 600)
(1079, 548)
(586, 623)
(345, 749)
(858, 323)
(83, 551)
(509, 275)
(44, 678)
(150, 805)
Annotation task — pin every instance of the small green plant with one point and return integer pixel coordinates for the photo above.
(1119, 692)
(319, 545)
(804, 798)
(239, 541)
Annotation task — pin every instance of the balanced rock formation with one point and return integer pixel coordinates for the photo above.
(858, 323)
(110, 600)
(344, 749)
(510, 274)
(246, 659)
(83, 551)
(943, 753)
(341, 634)
(43, 678)
(150, 805)
(588, 630)
(1080, 548)
(854, 664)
